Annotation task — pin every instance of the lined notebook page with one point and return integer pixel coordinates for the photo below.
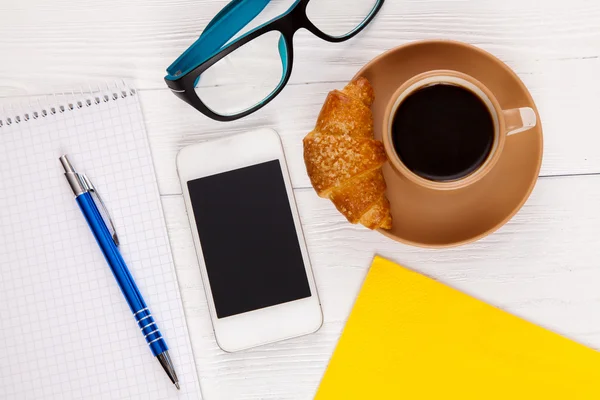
(67, 332)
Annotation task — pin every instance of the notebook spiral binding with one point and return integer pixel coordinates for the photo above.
(64, 102)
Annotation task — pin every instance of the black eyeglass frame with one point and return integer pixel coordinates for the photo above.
(287, 25)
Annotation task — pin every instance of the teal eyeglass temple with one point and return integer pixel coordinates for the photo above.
(213, 44)
(225, 25)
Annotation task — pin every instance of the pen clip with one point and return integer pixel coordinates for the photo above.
(87, 183)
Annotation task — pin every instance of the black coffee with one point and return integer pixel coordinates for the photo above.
(443, 132)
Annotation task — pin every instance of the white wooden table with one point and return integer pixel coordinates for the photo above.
(544, 265)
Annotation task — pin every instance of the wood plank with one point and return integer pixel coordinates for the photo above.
(570, 145)
(52, 46)
(541, 266)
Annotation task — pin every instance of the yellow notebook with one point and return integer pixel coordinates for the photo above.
(410, 337)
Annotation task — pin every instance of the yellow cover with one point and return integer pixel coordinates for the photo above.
(410, 337)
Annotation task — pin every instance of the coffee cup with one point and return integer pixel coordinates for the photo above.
(445, 130)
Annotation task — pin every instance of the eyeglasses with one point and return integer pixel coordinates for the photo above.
(229, 79)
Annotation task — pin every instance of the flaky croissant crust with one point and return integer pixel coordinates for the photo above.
(344, 161)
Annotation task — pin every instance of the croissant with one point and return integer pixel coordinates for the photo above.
(344, 161)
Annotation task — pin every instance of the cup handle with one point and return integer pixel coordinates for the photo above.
(519, 120)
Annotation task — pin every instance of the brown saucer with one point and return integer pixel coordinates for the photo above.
(429, 218)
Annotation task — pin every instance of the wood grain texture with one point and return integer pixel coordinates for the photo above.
(542, 265)
(571, 134)
(50, 45)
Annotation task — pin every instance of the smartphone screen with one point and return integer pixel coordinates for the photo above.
(248, 238)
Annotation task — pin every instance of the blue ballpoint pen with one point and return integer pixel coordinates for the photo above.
(108, 242)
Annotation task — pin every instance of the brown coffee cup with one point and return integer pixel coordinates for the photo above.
(506, 123)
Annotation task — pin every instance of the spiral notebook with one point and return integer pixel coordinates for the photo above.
(67, 332)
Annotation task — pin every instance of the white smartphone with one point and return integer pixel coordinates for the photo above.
(249, 241)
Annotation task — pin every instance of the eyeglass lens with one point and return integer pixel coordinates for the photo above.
(245, 77)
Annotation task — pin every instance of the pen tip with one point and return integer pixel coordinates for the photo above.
(177, 385)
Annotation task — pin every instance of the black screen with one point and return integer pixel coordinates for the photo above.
(248, 239)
